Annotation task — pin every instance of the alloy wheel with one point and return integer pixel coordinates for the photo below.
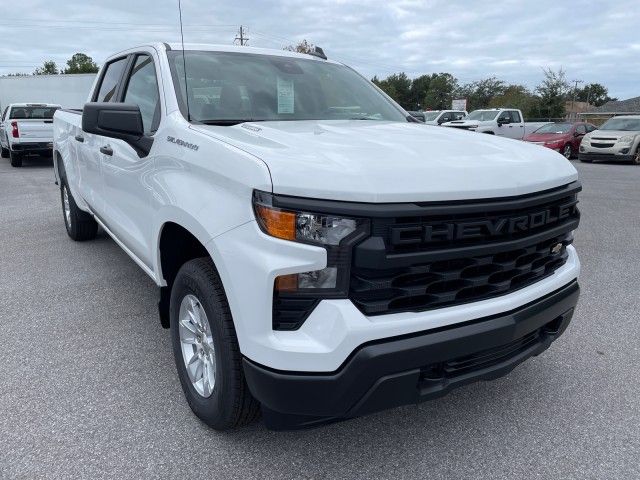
(196, 341)
(566, 151)
(65, 206)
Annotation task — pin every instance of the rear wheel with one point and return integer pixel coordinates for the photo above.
(206, 349)
(567, 151)
(16, 158)
(80, 225)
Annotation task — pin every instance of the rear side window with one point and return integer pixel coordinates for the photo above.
(515, 116)
(110, 79)
(142, 90)
(31, 113)
(581, 129)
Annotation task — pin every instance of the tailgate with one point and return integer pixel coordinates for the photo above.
(36, 130)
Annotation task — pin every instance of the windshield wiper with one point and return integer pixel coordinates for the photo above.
(228, 122)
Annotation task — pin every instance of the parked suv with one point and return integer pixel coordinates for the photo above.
(617, 140)
(319, 255)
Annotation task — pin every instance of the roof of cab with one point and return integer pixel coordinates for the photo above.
(208, 47)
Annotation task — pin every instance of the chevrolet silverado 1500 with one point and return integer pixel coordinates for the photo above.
(318, 254)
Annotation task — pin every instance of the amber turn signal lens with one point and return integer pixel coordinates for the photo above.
(287, 283)
(277, 223)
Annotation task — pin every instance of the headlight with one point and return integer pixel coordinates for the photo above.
(627, 139)
(335, 233)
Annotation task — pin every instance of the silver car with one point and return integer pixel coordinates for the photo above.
(617, 140)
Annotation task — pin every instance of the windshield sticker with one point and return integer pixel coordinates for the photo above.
(285, 96)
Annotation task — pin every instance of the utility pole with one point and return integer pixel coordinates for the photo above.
(573, 100)
(242, 37)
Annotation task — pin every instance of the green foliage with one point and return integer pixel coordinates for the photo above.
(397, 86)
(81, 63)
(480, 93)
(553, 93)
(440, 92)
(517, 96)
(594, 93)
(48, 68)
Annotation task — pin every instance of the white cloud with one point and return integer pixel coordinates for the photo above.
(510, 39)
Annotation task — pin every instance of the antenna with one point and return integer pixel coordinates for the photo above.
(184, 63)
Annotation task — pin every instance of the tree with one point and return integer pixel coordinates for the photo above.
(302, 47)
(440, 93)
(553, 91)
(81, 63)
(480, 93)
(517, 96)
(397, 86)
(418, 90)
(594, 93)
(48, 68)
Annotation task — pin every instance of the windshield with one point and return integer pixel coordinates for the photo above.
(621, 123)
(482, 115)
(232, 87)
(431, 115)
(28, 113)
(554, 128)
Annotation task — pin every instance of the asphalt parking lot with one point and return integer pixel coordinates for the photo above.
(88, 387)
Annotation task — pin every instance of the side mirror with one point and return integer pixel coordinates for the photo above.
(122, 121)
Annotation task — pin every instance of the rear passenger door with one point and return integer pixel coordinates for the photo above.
(126, 175)
(88, 145)
(516, 128)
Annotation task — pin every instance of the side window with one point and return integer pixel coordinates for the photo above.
(458, 115)
(515, 116)
(581, 129)
(110, 79)
(591, 128)
(142, 90)
(505, 116)
(446, 117)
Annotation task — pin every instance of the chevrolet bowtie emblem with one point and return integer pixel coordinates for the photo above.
(556, 248)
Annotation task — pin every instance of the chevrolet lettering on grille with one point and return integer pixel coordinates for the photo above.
(438, 232)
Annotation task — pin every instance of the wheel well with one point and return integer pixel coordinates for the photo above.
(177, 246)
(60, 166)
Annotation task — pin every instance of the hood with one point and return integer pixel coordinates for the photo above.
(373, 161)
(612, 134)
(546, 137)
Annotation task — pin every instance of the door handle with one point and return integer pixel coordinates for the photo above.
(107, 150)
(79, 138)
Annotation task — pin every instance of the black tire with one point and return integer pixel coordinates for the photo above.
(16, 159)
(636, 157)
(4, 153)
(567, 151)
(80, 225)
(230, 403)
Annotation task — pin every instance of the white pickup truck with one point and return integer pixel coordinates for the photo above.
(504, 122)
(26, 128)
(318, 254)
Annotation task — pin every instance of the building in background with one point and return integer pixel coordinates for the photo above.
(70, 91)
(599, 115)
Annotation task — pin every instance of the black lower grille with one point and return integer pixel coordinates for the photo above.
(461, 280)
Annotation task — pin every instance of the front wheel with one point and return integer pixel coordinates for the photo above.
(16, 159)
(80, 225)
(567, 151)
(206, 349)
(636, 157)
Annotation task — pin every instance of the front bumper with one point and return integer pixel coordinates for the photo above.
(412, 368)
(604, 157)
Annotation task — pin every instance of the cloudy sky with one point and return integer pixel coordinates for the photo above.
(513, 40)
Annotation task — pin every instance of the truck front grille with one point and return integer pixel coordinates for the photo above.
(449, 254)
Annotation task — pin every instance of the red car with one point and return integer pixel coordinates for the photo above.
(563, 137)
